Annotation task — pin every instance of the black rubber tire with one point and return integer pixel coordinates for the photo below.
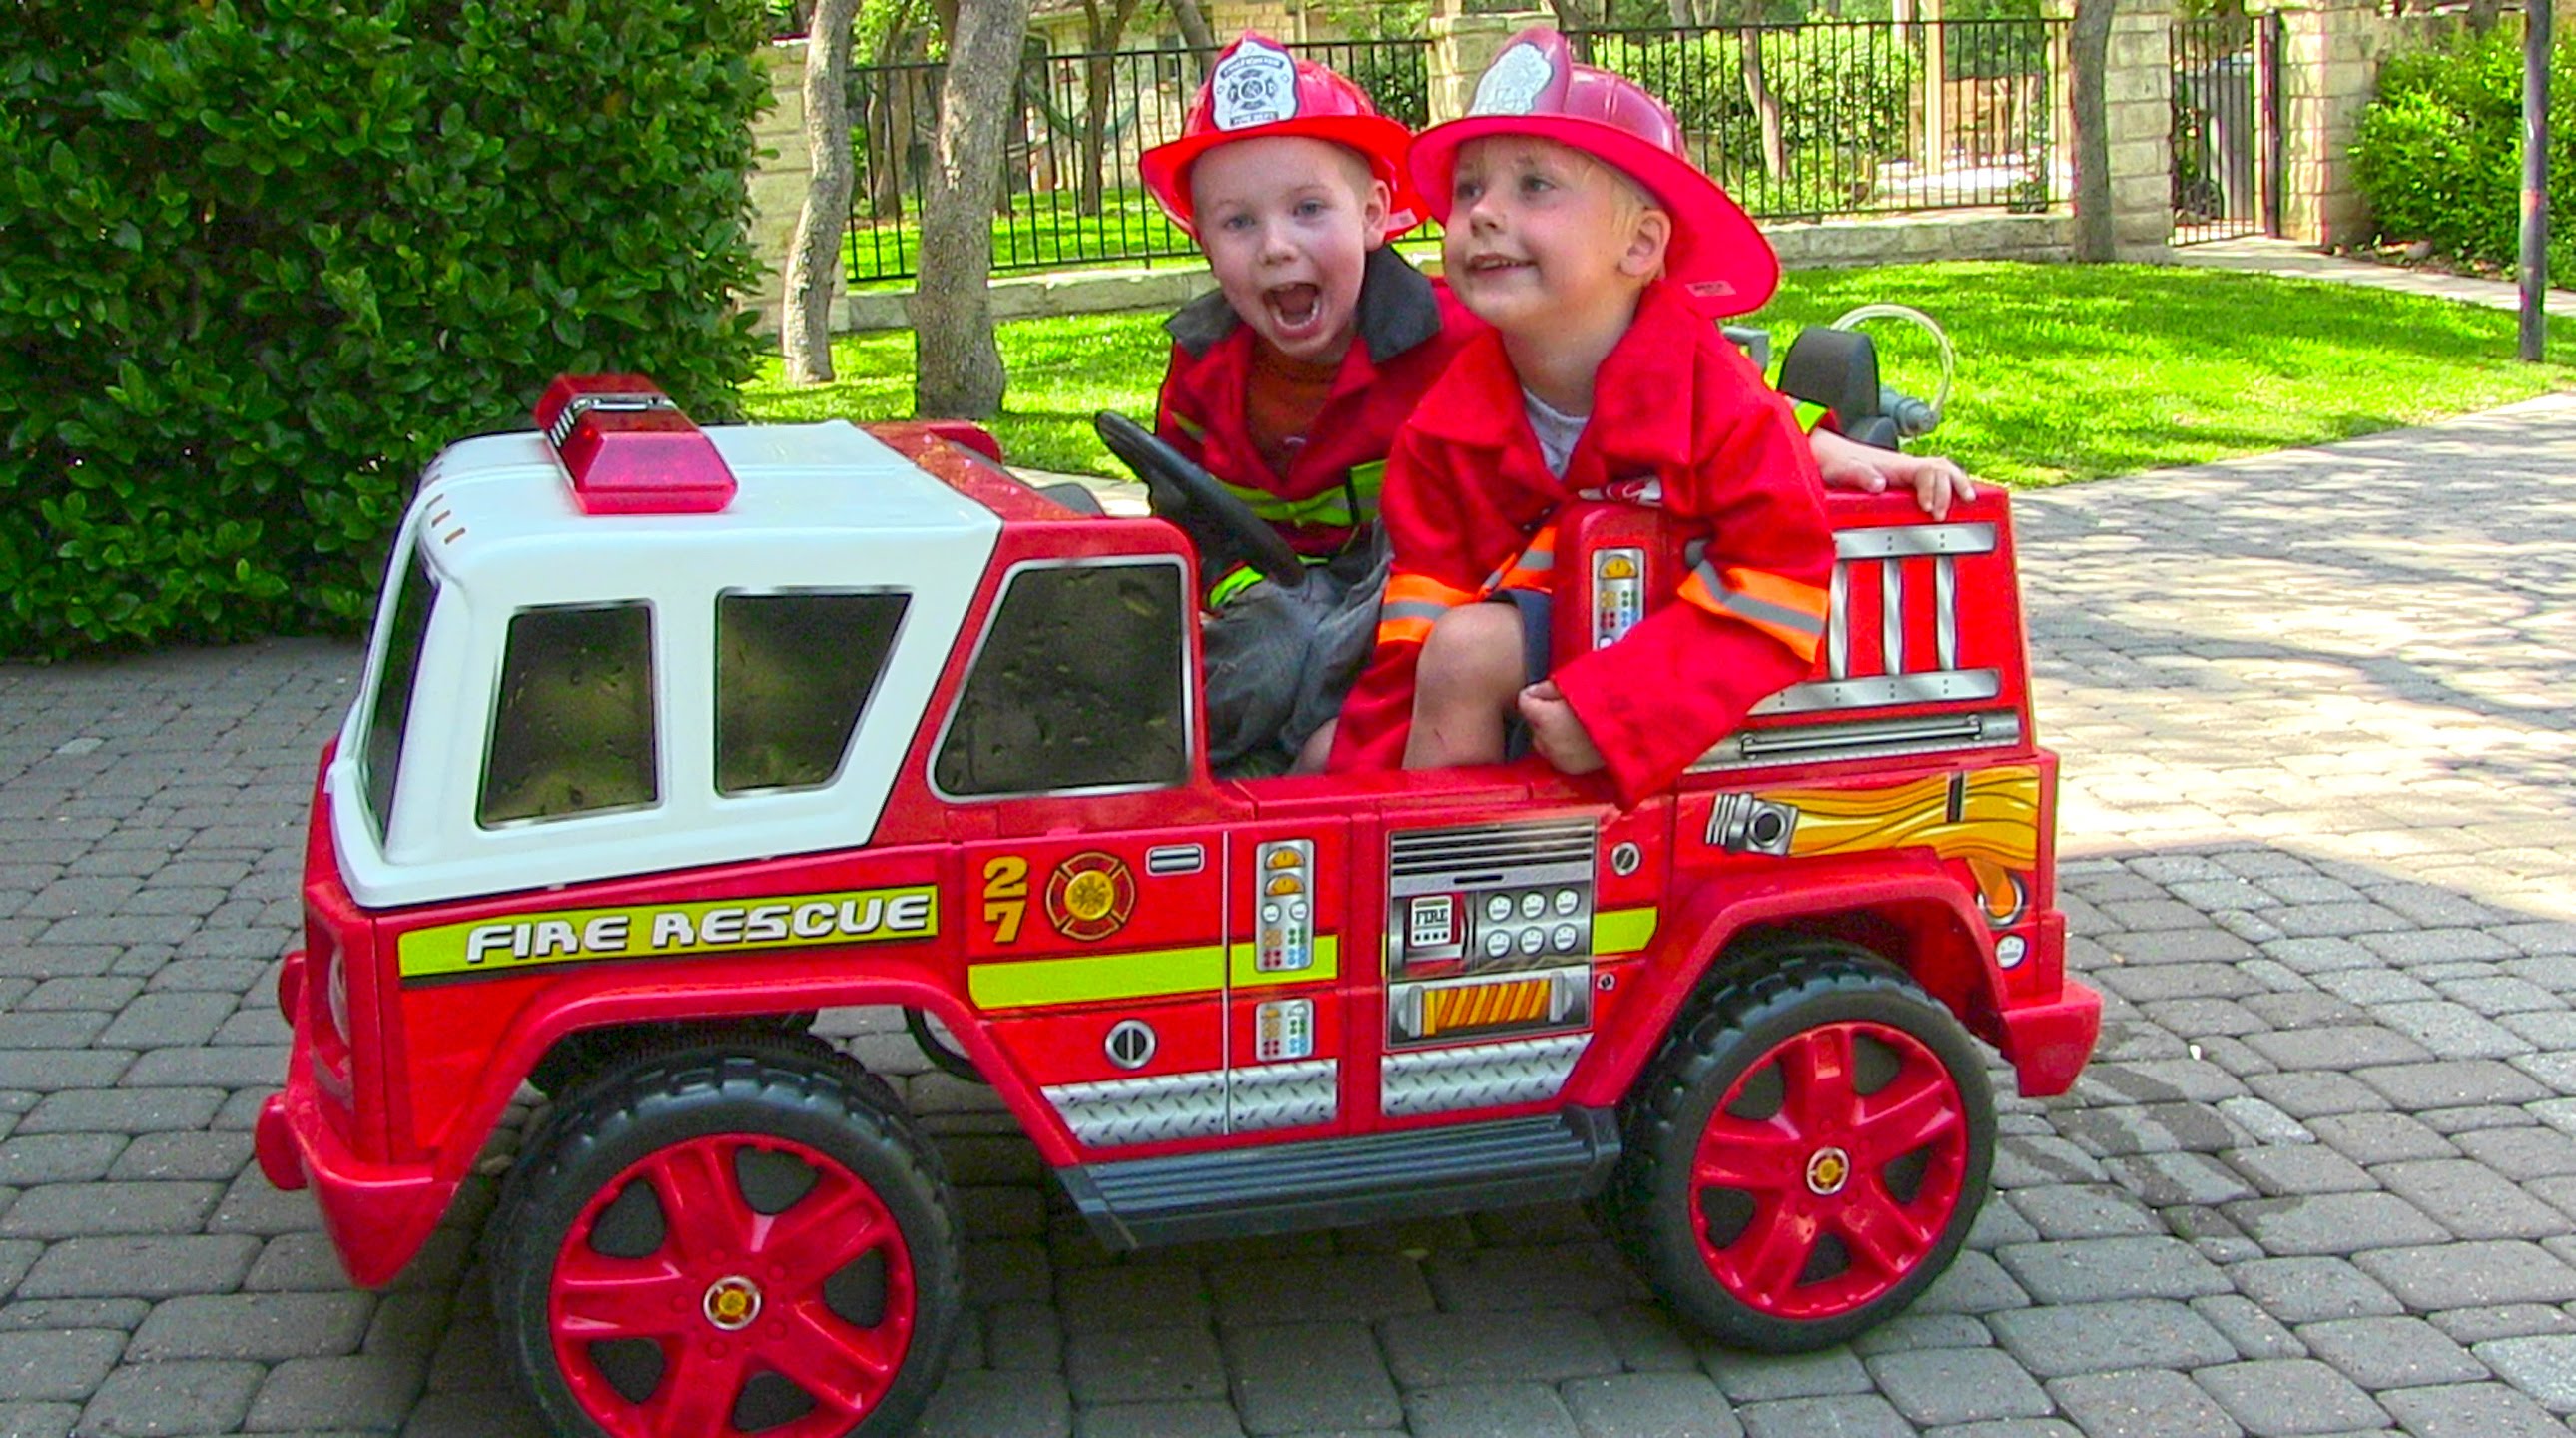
(1748, 1011)
(943, 1055)
(776, 1090)
(579, 1057)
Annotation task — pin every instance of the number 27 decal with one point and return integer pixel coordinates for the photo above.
(1006, 895)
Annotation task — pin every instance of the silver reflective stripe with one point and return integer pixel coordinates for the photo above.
(1945, 611)
(1735, 601)
(1904, 540)
(1838, 625)
(1891, 614)
(1412, 609)
(1929, 686)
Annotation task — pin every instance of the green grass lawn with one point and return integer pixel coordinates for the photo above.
(2065, 372)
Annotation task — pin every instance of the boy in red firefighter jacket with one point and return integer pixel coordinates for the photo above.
(1579, 231)
(1289, 382)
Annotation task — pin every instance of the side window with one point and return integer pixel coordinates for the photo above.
(573, 731)
(389, 719)
(1077, 686)
(793, 673)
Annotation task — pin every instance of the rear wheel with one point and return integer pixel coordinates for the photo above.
(715, 1244)
(1809, 1152)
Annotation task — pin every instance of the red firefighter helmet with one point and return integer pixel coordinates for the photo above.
(1534, 87)
(1257, 88)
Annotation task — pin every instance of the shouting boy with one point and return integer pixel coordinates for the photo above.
(1578, 229)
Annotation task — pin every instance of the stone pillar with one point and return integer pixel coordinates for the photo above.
(1462, 45)
(2137, 96)
(2330, 54)
(781, 168)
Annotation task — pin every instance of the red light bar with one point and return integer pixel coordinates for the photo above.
(629, 450)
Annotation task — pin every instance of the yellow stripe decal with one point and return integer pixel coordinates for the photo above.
(662, 931)
(1328, 964)
(1133, 974)
(1623, 931)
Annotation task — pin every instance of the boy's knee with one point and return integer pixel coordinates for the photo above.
(1475, 648)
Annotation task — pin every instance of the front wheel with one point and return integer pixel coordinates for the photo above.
(729, 1243)
(1808, 1153)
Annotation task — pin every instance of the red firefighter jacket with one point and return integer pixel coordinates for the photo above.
(1468, 509)
(1409, 326)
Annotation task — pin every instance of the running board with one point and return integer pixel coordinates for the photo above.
(1335, 1182)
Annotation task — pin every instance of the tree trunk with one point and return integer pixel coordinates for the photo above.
(1099, 74)
(2090, 39)
(1574, 22)
(1194, 31)
(957, 363)
(814, 251)
(1766, 106)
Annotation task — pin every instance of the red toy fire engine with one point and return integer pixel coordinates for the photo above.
(670, 737)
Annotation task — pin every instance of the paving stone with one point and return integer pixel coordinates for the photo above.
(1648, 1405)
(2394, 1352)
(2141, 1404)
(1024, 1336)
(1544, 1346)
(2462, 1275)
(2304, 1169)
(2341, 1046)
(2166, 1180)
(2289, 1396)
(354, 1392)
(2471, 1410)
(1762, 1377)
(2030, 1161)
(1959, 1385)
(71, 1210)
(2152, 1128)
(2471, 1200)
(2076, 1211)
(2300, 1291)
(2255, 1333)
(146, 1400)
(2455, 1031)
(43, 1158)
(1308, 1376)
(977, 1403)
(63, 1366)
(135, 1111)
(2368, 1138)
(1648, 1340)
(1581, 1275)
(1482, 1410)
(2333, 1223)
(2105, 1337)
(1975, 1284)
(2103, 1269)
(161, 1020)
(1157, 1420)
(38, 1420)
(2308, 1097)
(1858, 1415)
(1361, 1287)
(1139, 1365)
(267, 1326)
(2544, 1367)
(139, 1267)
(208, 1156)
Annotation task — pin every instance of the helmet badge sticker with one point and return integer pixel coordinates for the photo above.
(1512, 84)
(1254, 85)
(1091, 896)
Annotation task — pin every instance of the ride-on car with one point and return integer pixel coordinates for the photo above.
(671, 736)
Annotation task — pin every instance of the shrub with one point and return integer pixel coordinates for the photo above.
(264, 257)
(2438, 154)
(1845, 98)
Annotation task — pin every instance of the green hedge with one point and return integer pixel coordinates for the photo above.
(261, 259)
(2439, 154)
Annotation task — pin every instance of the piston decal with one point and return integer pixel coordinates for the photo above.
(1091, 896)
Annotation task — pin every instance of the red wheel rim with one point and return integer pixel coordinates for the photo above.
(1830, 1171)
(715, 1288)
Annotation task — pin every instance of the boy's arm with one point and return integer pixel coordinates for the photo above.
(1177, 420)
(1752, 613)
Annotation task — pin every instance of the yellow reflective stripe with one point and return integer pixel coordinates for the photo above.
(1331, 508)
(1189, 426)
(1809, 414)
(1623, 931)
(1237, 580)
(1243, 973)
(1132, 974)
(511, 942)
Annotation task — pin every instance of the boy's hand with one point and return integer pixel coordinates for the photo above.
(1936, 482)
(1555, 731)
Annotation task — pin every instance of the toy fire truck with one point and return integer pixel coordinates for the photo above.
(670, 737)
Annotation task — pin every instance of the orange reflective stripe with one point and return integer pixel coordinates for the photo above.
(1783, 608)
(1412, 602)
(1533, 569)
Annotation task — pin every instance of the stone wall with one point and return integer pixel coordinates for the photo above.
(778, 184)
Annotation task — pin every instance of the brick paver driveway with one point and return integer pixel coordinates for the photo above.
(2317, 829)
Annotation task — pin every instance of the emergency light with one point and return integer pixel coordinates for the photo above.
(629, 450)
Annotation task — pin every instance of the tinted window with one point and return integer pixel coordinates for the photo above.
(573, 732)
(793, 673)
(1078, 685)
(391, 715)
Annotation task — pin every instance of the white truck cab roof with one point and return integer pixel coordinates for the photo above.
(543, 703)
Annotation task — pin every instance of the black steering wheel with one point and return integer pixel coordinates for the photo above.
(1224, 527)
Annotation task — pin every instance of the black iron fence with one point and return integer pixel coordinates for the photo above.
(1798, 122)
(2226, 127)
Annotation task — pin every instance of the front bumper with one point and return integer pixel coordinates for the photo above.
(2049, 1043)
